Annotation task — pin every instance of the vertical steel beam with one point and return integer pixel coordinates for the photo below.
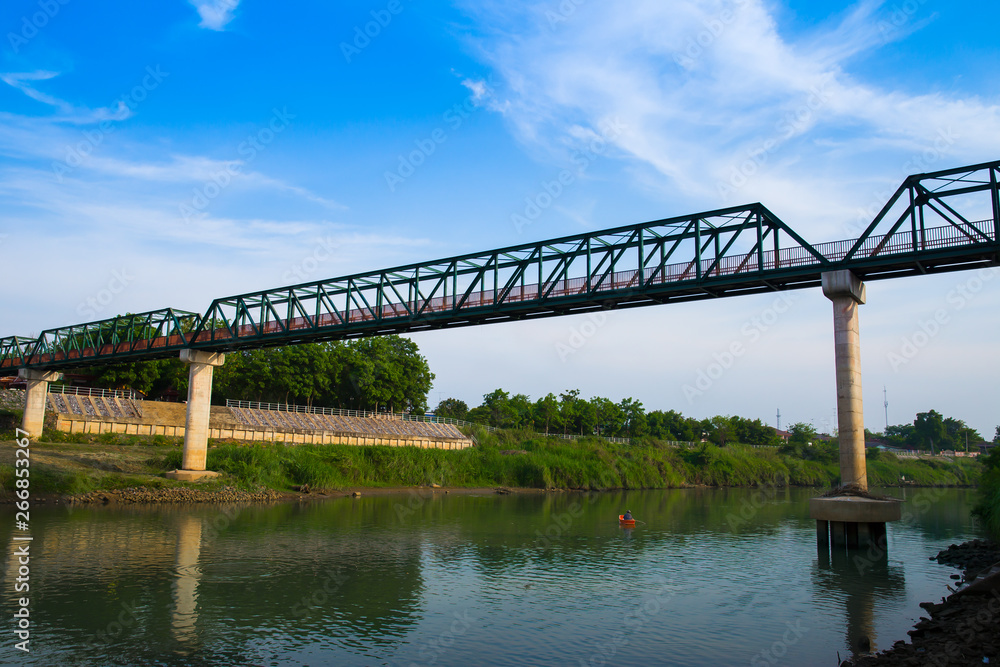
(697, 248)
(995, 197)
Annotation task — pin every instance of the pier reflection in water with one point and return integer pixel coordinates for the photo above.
(711, 577)
(862, 578)
(185, 612)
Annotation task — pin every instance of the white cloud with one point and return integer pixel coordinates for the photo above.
(725, 108)
(67, 113)
(215, 14)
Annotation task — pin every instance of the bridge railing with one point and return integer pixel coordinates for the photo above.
(339, 412)
(405, 416)
(94, 391)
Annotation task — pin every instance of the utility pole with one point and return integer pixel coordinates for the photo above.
(778, 426)
(885, 404)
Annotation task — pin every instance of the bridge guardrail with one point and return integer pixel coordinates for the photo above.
(404, 416)
(94, 391)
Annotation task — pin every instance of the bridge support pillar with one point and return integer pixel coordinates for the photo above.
(847, 293)
(37, 382)
(199, 406)
(854, 520)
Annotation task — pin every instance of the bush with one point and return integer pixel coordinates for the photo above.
(988, 507)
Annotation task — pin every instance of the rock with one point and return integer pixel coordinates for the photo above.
(356, 494)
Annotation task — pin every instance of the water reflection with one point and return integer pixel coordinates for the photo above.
(470, 580)
(863, 579)
(185, 589)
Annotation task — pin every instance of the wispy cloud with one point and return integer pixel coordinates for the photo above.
(65, 112)
(215, 14)
(706, 86)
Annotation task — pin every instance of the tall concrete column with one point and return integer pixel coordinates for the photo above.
(847, 292)
(34, 398)
(199, 407)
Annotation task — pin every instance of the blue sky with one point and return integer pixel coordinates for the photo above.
(182, 151)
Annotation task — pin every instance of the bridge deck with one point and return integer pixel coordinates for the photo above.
(728, 252)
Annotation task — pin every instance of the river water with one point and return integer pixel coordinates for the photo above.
(708, 577)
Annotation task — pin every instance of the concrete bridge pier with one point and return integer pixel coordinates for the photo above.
(199, 405)
(851, 520)
(34, 398)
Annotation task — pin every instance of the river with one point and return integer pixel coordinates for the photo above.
(708, 577)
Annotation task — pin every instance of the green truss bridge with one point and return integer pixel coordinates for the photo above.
(943, 221)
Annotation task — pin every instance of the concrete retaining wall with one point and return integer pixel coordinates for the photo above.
(167, 419)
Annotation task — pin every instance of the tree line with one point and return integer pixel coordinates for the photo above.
(388, 373)
(569, 413)
(384, 373)
(934, 432)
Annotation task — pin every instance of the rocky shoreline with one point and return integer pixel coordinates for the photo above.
(143, 495)
(180, 495)
(963, 629)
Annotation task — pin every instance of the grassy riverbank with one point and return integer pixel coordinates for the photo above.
(66, 464)
(988, 508)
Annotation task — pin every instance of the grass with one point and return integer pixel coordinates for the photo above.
(988, 507)
(77, 463)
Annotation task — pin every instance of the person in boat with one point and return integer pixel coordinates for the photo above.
(627, 516)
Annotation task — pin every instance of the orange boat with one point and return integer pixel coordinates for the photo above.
(628, 523)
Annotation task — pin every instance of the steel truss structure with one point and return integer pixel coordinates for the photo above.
(943, 221)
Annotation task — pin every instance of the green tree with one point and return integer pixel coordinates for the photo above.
(547, 411)
(721, 430)
(902, 436)
(568, 411)
(672, 425)
(608, 416)
(959, 435)
(452, 408)
(635, 417)
(929, 430)
(523, 410)
(502, 413)
(802, 434)
(151, 378)
(755, 432)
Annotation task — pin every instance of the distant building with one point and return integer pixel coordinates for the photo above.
(784, 435)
